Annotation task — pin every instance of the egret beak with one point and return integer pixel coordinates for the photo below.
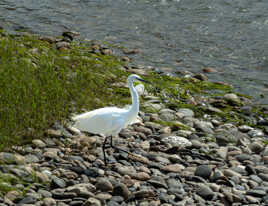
(142, 80)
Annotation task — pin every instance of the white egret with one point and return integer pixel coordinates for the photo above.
(109, 121)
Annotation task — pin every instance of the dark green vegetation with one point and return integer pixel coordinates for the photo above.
(209, 99)
(41, 85)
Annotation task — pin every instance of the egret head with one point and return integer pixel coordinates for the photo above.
(134, 77)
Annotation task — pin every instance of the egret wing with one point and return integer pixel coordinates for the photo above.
(99, 121)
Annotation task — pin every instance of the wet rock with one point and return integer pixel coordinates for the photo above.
(255, 133)
(82, 189)
(62, 45)
(153, 106)
(92, 202)
(44, 193)
(144, 130)
(144, 194)
(103, 196)
(184, 112)
(30, 158)
(243, 157)
(209, 70)
(10, 158)
(162, 160)
(173, 168)
(201, 77)
(138, 158)
(48, 201)
(104, 185)
(174, 183)
(121, 190)
(167, 115)
(142, 176)
(256, 193)
(224, 137)
(53, 133)
(263, 176)
(205, 192)
(256, 147)
(252, 200)
(28, 199)
(265, 152)
(145, 145)
(203, 126)
(13, 195)
(49, 39)
(165, 130)
(183, 133)
(58, 182)
(153, 126)
(232, 98)
(222, 152)
(42, 177)
(51, 153)
(157, 182)
(245, 128)
(203, 171)
(231, 173)
(177, 141)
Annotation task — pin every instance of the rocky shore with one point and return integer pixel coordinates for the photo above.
(180, 157)
(210, 163)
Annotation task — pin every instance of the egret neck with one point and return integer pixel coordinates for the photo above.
(134, 109)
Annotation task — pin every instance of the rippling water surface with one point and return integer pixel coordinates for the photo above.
(231, 36)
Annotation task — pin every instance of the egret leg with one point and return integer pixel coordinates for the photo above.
(104, 146)
(111, 143)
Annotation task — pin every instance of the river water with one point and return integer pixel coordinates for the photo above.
(231, 36)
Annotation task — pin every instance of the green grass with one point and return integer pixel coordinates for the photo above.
(7, 182)
(41, 85)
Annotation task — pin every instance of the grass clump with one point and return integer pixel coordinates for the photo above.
(181, 89)
(41, 85)
(7, 182)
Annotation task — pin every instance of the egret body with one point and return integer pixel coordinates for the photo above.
(109, 121)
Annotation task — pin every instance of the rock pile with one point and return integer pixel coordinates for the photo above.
(198, 162)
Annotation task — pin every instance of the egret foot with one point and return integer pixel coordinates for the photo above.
(105, 146)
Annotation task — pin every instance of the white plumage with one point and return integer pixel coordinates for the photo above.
(109, 121)
(106, 121)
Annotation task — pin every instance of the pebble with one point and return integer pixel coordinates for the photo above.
(142, 176)
(205, 192)
(256, 193)
(104, 185)
(48, 201)
(204, 126)
(263, 176)
(203, 171)
(121, 190)
(256, 147)
(232, 98)
(231, 173)
(10, 158)
(58, 182)
(177, 141)
(173, 168)
(158, 181)
(38, 143)
(185, 112)
(92, 202)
